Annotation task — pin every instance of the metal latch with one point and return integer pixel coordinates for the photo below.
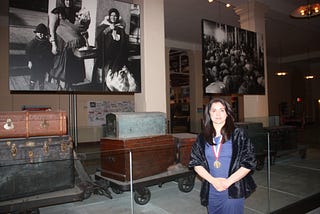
(13, 150)
(45, 147)
(44, 124)
(31, 154)
(8, 125)
(63, 147)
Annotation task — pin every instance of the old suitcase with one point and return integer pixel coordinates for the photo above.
(13, 124)
(32, 123)
(150, 156)
(35, 165)
(135, 124)
(184, 142)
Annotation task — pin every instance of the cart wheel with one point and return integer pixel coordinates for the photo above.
(116, 190)
(186, 184)
(260, 164)
(142, 197)
(303, 153)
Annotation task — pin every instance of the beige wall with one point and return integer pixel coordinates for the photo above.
(5, 97)
(93, 133)
(153, 63)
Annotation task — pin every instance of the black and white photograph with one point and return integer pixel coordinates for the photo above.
(233, 60)
(74, 46)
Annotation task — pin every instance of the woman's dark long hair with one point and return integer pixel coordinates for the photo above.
(208, 130)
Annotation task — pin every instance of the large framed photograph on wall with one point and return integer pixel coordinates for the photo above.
(233, 60)
(74, 46)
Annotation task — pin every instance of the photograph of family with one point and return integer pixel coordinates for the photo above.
(74, 46)
(233, 60)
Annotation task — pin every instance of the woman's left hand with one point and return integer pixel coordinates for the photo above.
(226, 183)
(219, 184)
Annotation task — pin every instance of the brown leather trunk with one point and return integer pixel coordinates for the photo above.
(150, 156)
(26, 124)
(184, 142)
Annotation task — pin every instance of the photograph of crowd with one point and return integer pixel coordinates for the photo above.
(233, 60)
(74, 45)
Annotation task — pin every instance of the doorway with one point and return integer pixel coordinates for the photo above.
(179, 91)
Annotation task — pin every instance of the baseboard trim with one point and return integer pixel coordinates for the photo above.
(303, 206)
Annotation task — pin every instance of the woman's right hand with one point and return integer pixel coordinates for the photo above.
(218, 184)
(54, 49)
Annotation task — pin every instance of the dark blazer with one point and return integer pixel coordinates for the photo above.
(242, 156)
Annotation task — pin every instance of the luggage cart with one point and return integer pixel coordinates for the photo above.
(142, 194)
(31, 204)
(84, 187)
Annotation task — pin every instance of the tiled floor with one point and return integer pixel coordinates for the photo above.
(291, 180)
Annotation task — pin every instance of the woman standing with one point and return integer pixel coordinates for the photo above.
(112, 42)
(224, 157)
(66, 34)
(112, 58)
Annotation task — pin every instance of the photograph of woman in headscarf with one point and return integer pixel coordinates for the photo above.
(112, 59)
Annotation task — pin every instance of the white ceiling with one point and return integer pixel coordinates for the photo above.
(294, 39)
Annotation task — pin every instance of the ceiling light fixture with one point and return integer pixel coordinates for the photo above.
(210, 1)
(306, 11)
(308, 77)
(283, 73)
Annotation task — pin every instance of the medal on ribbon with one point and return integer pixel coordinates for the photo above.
(216, 164)
(216, 151)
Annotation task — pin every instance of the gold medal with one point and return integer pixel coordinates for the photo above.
(217, 164)
(216, 151)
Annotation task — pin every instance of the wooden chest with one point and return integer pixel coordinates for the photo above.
(32, 123)
(150, 156)
(135, 124)
(35, 165)
(184, 142)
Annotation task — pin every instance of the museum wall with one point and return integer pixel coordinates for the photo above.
(57, 101)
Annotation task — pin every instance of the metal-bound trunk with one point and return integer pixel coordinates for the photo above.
(30, 166)
(135, 124)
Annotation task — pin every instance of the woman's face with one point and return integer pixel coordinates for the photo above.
(113, 17)
(218, 113)
(67, 3)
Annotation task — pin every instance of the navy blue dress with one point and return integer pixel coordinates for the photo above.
(219, 202)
